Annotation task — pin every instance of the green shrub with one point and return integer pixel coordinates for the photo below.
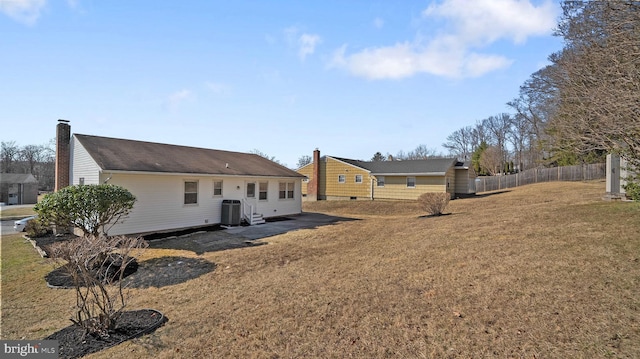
(91, 208)
(632, 189)
(35, 228)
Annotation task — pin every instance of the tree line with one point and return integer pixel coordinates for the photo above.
(583, 105)
(38, 160)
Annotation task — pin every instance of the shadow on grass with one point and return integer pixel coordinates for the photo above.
(217, 238)
(166, 271)
(435, 215)
(488, 194)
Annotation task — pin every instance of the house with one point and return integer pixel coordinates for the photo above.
(177, 187)
(329, 178)
(18, 188)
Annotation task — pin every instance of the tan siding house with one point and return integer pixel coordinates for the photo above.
(340, 178)
(179, 187)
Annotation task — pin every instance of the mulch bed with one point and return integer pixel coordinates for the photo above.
(74, 343)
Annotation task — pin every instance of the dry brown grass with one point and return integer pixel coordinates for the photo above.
(543, 271)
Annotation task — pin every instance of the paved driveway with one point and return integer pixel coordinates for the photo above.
(238, 237)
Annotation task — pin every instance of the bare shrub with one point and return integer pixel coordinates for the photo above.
(433, 203)
(97, 266)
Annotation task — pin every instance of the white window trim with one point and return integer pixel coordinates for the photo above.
(184, 192)
(378, 180)
(356, 179)
(414, 182)
(342, 179)
(246, 190)
(221, 188)
(266, 191)
(287, 189)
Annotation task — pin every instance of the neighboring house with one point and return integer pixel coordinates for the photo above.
(330, 178)
(18, 188)
(177, 186)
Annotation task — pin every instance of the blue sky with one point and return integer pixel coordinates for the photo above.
(284, 77)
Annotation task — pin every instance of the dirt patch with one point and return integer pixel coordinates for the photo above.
(74, 343)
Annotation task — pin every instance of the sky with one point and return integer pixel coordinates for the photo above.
(350, 78)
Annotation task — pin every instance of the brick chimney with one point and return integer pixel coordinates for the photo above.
(63, 155)
(312, 186)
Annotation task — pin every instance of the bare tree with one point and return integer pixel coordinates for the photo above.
(599, 78)
(30, 156)
(460, 143)
(535, 106)
(97, 266)
(303, 161)
(9, 154)
(491, 160)
(499, 127)
(256, 151)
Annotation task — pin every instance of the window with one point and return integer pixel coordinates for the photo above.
(411, 182)
(217, 188)
(380, 181)
(81, 181)
(342, 179)
(358, 178)
(286, 190)
(190, 192)
(262, 194)
(251, 190)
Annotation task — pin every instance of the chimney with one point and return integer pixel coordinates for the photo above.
(63, 155)
(312, 186)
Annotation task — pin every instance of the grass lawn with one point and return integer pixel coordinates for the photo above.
(16, 212)
(545, 271)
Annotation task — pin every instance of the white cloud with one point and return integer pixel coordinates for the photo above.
(490, 20)
(454, 52)
(307, 43)
(304, 43)
(24, 11)
(175, 99)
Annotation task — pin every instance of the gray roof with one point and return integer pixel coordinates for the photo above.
(113, 154)
(17, 178)
(432, 166)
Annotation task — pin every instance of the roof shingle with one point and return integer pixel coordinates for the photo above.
(138, 156)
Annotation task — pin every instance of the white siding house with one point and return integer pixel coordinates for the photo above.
(179, 187)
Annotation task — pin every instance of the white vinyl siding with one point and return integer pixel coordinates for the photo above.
(82, 165)
(159, 205)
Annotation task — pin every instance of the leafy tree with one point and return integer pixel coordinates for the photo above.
(475, 158)
(378, 157)
(92, 208)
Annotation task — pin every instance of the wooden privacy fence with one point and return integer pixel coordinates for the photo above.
(535, 175)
